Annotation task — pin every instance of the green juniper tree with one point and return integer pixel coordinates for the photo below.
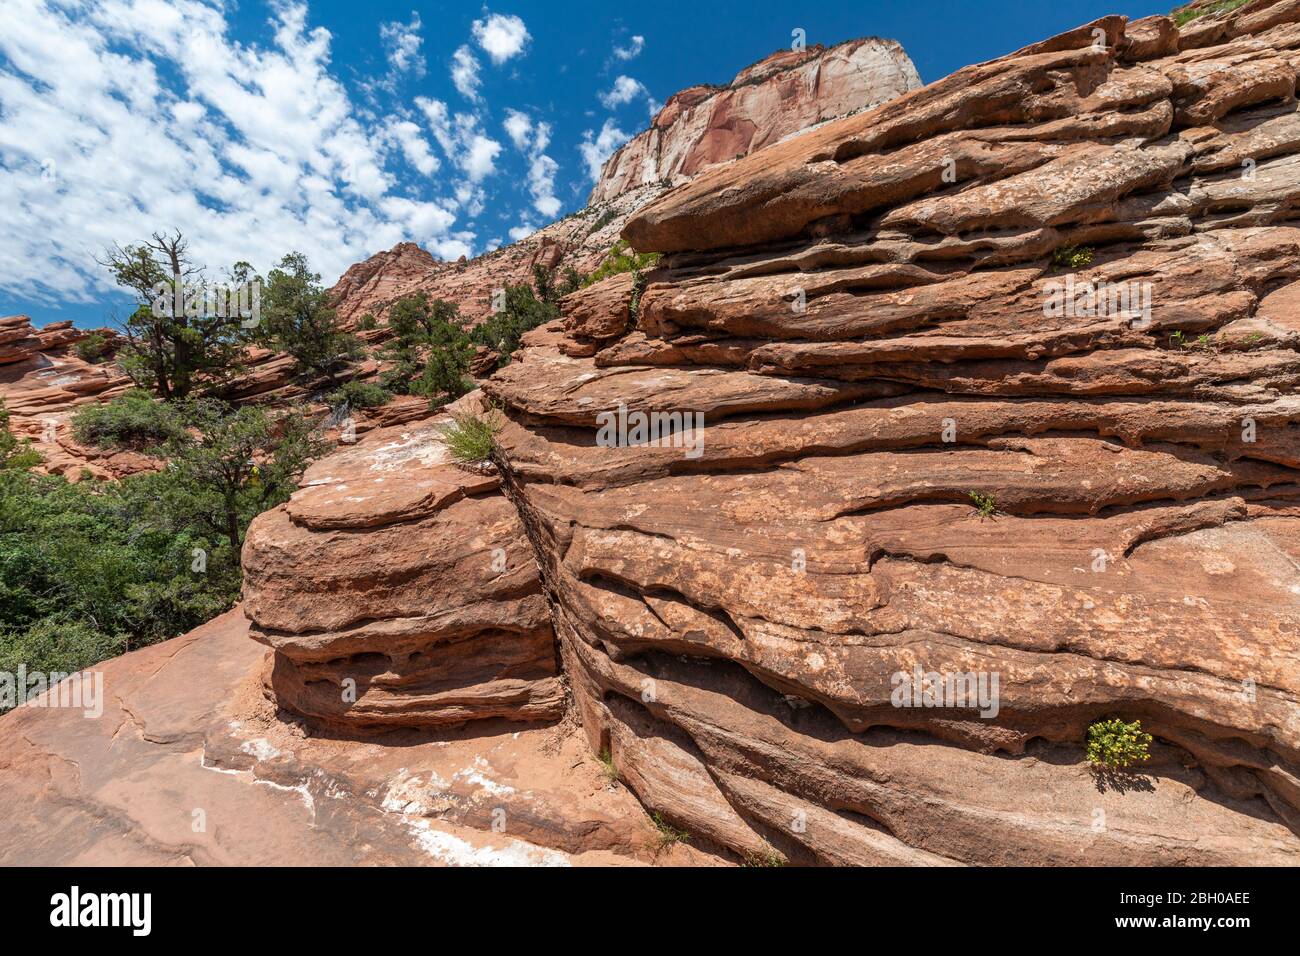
(297, 319)
(181, 334)
(430, 353)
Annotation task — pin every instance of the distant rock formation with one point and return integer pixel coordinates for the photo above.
(778, 96)
(771, 100)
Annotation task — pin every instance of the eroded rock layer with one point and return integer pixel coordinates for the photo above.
(997, 379)
(397, 589)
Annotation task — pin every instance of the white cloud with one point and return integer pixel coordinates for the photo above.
(632, 50)
(519, 128)
(402, 44)
(532, 139)
(414, 146)
(596, 148)
(464, 143)
(464, 73)
(501, 36)
(625, 90)
(522, 231)
(122, 117)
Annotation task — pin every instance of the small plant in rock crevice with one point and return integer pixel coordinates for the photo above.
(471, 438)
(984, 504)
(665, 834)
(1116, 744)
(769, 856)
(607, 767)
(1072, 257)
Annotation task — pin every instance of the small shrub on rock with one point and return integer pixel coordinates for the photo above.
(471, 438)
(1116, 744)
(360, 395)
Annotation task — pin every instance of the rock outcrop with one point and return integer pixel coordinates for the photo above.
(940, 432)
(997, 379)
(778, 96)
(397, 589)
(182, 762)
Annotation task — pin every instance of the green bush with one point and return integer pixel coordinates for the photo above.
(90, 569)
(93, 348)
(1185, 15)
(621, 258)
(430, 353)
(1072, 257)
(1115, 744)
(471, 438)
(523, 311)
(134, 420)
(360, 395)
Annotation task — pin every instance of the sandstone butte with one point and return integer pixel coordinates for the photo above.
(862, 313)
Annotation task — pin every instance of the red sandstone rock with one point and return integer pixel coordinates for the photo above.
(425, 607)
(1139, 556)
(774, 98)
(185, 727)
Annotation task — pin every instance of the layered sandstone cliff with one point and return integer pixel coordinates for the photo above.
(778, 96)
(996, 380)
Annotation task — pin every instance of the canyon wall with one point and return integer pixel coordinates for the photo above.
(778, 96)
(996, 380)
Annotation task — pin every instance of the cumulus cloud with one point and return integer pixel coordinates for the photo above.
(596, 148)
(519, 127)
(463, 141)
(625, 90)
(402, 44)
(532, 139)
(632, 50)
(122, 117)
(409, 140)
(464, 72)
(501, 36)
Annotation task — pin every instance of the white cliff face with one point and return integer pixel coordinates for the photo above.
(775, 98)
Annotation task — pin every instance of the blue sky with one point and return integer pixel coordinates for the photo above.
(341, 128)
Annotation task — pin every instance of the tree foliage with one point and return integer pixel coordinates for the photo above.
(134, 420)
(174, 343)
(522, 312)
(90, 569)
(297, 319)
(429, 354)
